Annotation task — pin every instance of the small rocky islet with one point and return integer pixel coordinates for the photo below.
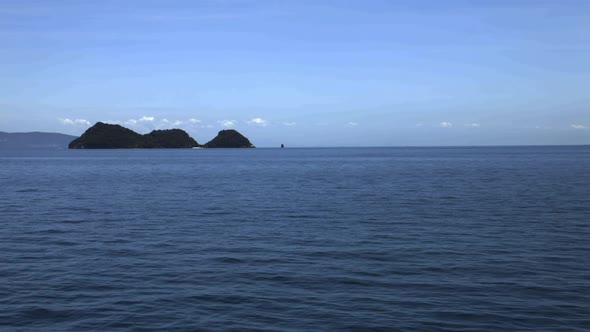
(113, 136)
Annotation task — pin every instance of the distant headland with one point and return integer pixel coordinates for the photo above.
(34, 140)
(113, 136)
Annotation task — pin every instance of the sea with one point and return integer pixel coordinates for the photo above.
(296, 239)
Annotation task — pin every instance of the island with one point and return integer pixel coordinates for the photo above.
(229, 138)
(113, 136)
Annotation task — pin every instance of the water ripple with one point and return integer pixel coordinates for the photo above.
(454, 239)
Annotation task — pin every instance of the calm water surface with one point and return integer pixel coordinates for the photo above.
(367, 239)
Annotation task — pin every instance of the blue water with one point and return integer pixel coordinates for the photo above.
(367, 239)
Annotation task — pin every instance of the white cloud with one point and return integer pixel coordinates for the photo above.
(472, 125)
(352, 124)
(227, 123)
(577, 126)
(289, 124)
(146, 119)
(133, 122)
(165, 123)
(445, 124)
(258, 122)
(419, 124)
(75, 122)
(195, 123)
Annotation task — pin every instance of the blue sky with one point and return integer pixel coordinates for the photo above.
(302, 73)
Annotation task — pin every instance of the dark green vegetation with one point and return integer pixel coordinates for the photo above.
(169, 138)
(111, 136)
(229, 139)
(34, 140)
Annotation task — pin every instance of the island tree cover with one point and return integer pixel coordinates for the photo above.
(169, 138)
(112, 136)
(229, 138)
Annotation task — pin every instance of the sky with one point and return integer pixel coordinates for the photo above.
(302, 72)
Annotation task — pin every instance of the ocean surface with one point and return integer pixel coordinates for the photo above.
(356, 239)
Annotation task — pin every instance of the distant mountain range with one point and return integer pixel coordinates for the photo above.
(34, 140)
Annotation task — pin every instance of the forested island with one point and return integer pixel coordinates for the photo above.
(113, 136)
(229, 138)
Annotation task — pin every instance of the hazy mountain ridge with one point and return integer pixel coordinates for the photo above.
(34, 140)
